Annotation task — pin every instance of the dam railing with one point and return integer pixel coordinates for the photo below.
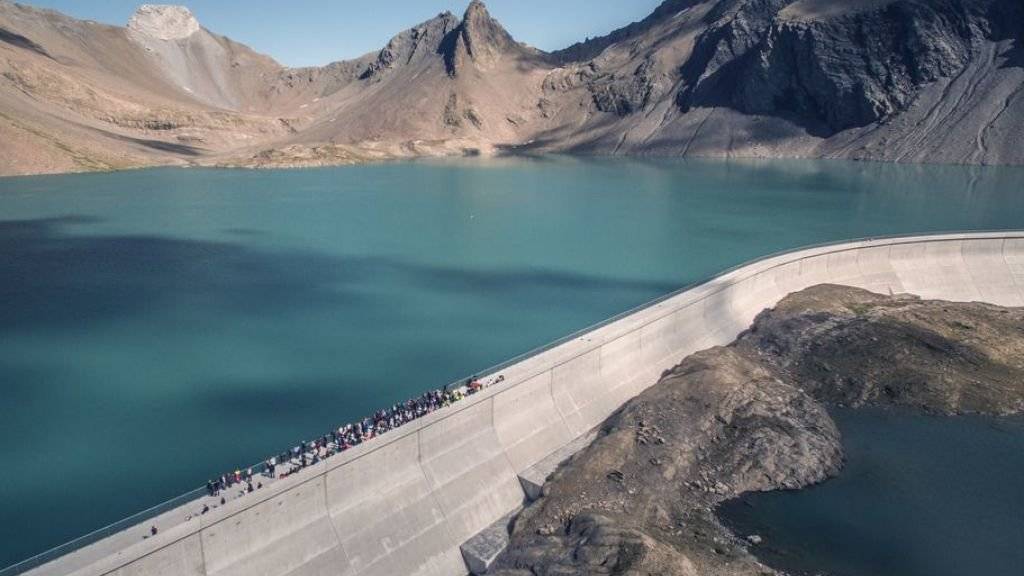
(194, 495)
(102, 533)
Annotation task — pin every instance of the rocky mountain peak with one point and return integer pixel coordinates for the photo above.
(483, 34)
(163, 22)
(477, 10)
(419, 41)
(479, 39)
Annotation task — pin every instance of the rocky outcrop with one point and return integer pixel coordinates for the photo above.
(420, 41)
(855, 348)
(163, 22)
(19, 41)
(734, 30)
(481, 41)
(844, 71)
(639, 500)
(625, 95)
(911, 45)
(753, 417)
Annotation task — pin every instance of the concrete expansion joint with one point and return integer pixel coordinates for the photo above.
(330, 520)
(431, 493)
(555, 403)
(1019, 283)
(202, 554)
(494, 431)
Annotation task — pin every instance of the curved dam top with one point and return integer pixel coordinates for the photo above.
(406, 502)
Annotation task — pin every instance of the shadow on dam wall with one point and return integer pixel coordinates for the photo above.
(406, 502)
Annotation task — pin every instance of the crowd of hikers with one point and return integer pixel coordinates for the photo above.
(242, 482)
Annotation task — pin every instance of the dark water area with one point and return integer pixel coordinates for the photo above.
(159, 327)
(919, 496)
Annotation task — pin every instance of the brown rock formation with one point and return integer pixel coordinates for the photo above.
(752, 417)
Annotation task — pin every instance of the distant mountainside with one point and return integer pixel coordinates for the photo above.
(893, 80)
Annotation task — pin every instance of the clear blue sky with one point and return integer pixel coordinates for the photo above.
(312, 32)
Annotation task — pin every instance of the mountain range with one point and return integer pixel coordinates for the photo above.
(892, 80)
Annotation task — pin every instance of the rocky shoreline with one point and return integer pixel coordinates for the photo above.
(753, 416)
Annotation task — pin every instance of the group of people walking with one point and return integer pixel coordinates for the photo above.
(226, 482)
(343, 438)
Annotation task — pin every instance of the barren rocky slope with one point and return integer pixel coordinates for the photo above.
(753, 416)
(902, 80)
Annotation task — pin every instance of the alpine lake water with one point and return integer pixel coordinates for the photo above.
(160, 327)
(919, 496)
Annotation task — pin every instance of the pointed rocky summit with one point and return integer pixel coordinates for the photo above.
(479, 39)
(482, 36)
(163, 22)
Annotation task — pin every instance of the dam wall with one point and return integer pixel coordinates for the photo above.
(404, 503)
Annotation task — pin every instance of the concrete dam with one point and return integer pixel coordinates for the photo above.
(407, 502)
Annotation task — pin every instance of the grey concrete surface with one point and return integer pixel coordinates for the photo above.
(533, 478)
(404, 503)
(483, 549)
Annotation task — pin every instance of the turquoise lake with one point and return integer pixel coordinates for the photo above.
(159, 327)
(919, 496)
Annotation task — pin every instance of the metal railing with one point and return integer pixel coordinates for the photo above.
(102, 533)
(195, 495)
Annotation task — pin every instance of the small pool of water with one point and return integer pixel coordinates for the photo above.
(920, 496)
